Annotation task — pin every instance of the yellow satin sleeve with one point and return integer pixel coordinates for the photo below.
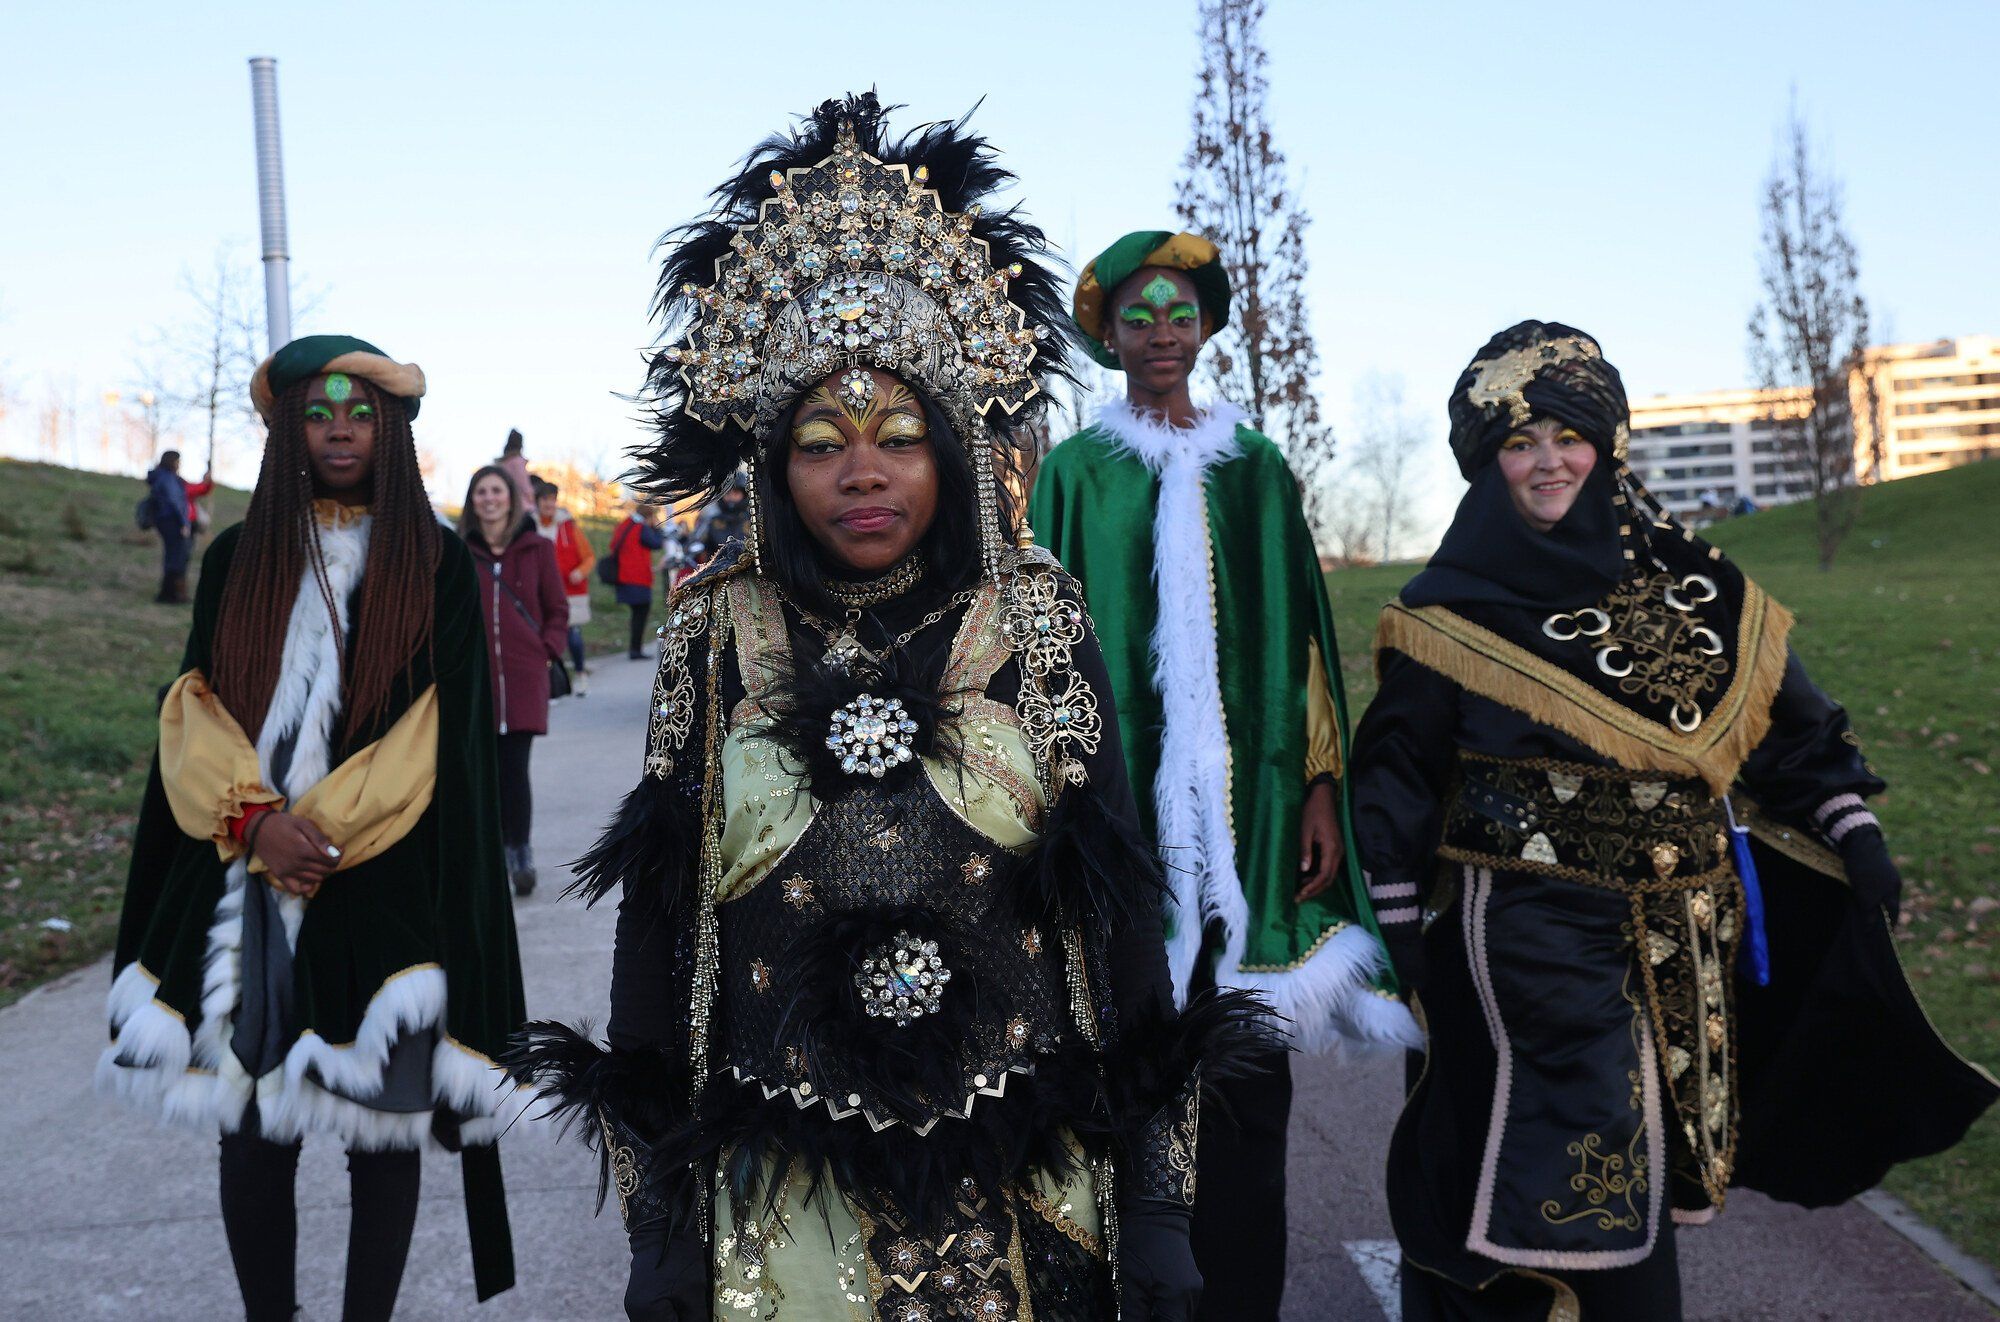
(208, 766)
(1323, 752)
(367, 804)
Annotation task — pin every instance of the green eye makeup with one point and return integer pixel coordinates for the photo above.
(1181, 314)
(361, 411)
(318, 413)
(1136, 316)
(338, 386)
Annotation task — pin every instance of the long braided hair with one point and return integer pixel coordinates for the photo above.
(280, 542)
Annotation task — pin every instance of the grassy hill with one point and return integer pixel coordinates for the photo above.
(1905, 633)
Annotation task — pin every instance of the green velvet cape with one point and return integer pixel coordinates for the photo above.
(436, 900)
(1094, 505)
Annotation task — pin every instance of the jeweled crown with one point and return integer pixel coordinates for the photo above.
(854, 263)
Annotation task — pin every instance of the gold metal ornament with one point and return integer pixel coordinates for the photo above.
(853, 264)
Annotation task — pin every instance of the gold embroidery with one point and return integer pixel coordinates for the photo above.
(1060, 1219)
(672, 717)
(1665, 657)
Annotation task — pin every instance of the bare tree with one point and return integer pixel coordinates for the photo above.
(1809, 332)
(1387, 433)
(1234, 191)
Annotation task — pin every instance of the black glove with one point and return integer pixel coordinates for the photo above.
(1158, 1279)
(669, 1281)
(1872, 873)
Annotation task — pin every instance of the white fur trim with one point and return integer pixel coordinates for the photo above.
(1326, 998)
(196, 1079)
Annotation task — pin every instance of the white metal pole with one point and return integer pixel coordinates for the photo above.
(271, 201)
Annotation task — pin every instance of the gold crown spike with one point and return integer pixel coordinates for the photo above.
(854, 264)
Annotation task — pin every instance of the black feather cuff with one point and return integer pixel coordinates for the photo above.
(653, 842)
(623, 1104)
(1156, 1073)
(1093, 868)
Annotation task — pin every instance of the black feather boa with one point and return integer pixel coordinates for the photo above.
(1104, 1101)
(804, 699)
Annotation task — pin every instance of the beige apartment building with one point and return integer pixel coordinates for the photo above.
(1699, 453)
(1934, 405)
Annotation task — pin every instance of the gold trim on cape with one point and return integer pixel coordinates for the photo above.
(1485, 663)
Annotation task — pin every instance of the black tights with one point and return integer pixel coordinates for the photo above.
(261, 1220)
(640, 610)
(517, 796)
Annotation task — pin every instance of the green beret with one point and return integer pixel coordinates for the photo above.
(1111, 268)
(316, 355)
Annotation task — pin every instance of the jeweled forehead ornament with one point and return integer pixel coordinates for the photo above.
(853, 264)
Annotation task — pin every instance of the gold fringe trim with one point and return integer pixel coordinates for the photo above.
(1485, 663)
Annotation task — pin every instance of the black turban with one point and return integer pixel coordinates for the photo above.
(1536, 369)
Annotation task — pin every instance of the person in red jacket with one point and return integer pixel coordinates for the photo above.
(632, 547)
(527, 623)
(575, 559)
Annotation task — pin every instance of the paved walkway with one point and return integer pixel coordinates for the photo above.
(103, 1216)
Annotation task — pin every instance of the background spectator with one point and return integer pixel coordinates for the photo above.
(527, 621)
(574, 561)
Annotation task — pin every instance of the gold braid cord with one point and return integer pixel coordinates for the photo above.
(707, 943)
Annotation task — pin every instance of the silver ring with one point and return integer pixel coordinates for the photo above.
(1604, 663)
(1550, 625)
(1713, 647)
(1685, 727)
(1603, 622)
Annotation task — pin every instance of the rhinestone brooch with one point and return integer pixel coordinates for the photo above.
(902, 980)
(871, 735)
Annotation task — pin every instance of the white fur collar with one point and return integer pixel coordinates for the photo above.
(1151, 439)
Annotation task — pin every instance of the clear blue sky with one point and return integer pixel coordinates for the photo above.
(478, 187)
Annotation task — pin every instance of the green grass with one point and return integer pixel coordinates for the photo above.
(1905, 633)
(83, 652)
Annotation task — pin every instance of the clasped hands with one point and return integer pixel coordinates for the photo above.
(297, 853)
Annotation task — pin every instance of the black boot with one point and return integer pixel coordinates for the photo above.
(521, 869)
(165, 596)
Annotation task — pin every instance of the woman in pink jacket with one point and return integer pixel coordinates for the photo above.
(527, 623)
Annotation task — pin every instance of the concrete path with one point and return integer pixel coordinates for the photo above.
(104, 1216)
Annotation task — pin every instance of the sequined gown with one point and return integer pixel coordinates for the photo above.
(904, 1004)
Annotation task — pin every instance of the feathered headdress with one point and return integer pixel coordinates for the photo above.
(835, 247)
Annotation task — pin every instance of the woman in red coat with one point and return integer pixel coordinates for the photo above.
(527, 622)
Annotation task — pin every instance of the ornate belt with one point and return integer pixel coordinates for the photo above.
(1602, 826)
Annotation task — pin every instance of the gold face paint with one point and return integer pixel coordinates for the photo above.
(1160, 291)
(863, 398)
(338, 386)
